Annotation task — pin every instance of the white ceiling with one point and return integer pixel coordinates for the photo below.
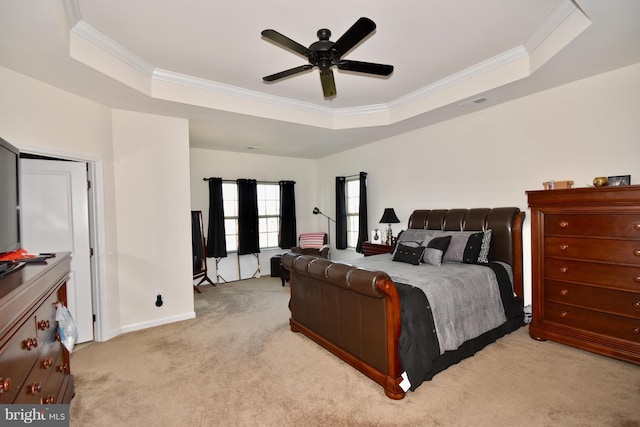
(204, 60)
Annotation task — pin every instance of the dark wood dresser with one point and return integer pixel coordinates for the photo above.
(585, 246)
(34, 365)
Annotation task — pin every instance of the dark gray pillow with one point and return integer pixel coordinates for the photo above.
(435, 249)
(408, 254)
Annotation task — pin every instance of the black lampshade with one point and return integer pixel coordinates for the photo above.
(316, 211)
(389, 217)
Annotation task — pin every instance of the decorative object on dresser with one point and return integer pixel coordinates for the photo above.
(585, 246)
(614, 181)
(389, 217)
(557, 185)
(369, 248)
(34, 365)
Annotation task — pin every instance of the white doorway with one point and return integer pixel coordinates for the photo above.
(55, 217)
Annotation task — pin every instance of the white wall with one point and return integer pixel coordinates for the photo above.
(490, 158)
(151, 164)
(42, 119)
(231, 166)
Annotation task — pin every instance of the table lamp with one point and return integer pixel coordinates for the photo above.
(389, 217)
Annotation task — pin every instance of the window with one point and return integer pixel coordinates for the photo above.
(353, 210)
(268, 214)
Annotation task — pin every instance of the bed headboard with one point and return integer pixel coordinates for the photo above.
(505, 225)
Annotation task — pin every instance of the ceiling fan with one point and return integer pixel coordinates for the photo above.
(324, 54)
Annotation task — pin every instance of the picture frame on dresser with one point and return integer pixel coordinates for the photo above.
(618, 180)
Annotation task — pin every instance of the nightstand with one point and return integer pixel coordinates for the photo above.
(369, 249)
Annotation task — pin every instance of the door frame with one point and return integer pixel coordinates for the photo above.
(95, 199)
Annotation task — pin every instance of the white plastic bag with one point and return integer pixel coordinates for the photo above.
(66, 327)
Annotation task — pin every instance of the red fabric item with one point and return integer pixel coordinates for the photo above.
(312, 240)
(16, 255)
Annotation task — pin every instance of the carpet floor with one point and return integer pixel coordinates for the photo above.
(238, 364)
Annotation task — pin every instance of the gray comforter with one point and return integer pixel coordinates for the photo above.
(464, 298)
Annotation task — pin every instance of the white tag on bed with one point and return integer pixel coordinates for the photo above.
(405, 384)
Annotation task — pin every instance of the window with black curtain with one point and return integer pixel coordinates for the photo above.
(288, 234)
(363, 225)
(216, 241)
(248, 238)
(341, 213)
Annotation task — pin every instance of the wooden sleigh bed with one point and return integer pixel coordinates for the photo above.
(356, 312)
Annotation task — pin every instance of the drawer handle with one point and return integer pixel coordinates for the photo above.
(636, 304)
(636, 279)
(30, 343)
(564, 269)
(49, 400)
(47, 362)
(636, 252)
(636, 225)
(636, 330)
(63, 367)
(43, 325)
(564, 224)
(564, 247)
(35, 388)
(564, 314)
(564, 292)
(5, 384)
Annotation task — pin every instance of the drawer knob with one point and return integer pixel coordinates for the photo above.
(30, 343)
(35, 388)
(47, 362)
(636, 330)
(636, 304)
(564, 224)
(636, 279)
(43, 325)
(564, 269)
(564, 292)
(63, 367)
(636, 252)
(564, 247)
(564, 314)
(636, 225)
(49, 400)
(5, 384)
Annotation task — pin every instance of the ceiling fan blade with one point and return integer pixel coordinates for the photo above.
(354, 35)
(287, 73)
(365, 67)
(285, 42)
(328, 83)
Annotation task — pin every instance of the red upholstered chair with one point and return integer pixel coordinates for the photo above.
(308, 244)
(312, 244)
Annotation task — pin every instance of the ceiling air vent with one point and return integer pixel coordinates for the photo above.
(473, 102)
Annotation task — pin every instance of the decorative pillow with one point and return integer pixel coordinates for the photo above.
(472, 248)
(458, 245)
(435, 249)
(411, 235)
(408, 254)
(312, 240)
(486, 245)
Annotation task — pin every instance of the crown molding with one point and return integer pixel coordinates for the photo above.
(555, 32)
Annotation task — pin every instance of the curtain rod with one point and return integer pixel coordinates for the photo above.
(233, 181)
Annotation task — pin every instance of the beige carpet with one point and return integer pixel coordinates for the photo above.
(238, 364)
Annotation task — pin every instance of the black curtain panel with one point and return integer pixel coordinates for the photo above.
(363, 225)
(248, 238)
(341, 213)
(216, 241)
(288, 234)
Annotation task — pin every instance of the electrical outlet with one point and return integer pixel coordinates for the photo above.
(158, 299)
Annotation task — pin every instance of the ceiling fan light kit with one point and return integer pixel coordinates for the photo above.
(324, 54)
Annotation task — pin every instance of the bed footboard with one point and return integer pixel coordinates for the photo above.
(353, 313)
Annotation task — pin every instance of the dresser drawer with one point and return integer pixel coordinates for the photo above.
(614, 276)
(625, 328)
(620, 225)
(17, 359)
(45, 318)
(601, 299)
(605, 250)
(37, 383)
